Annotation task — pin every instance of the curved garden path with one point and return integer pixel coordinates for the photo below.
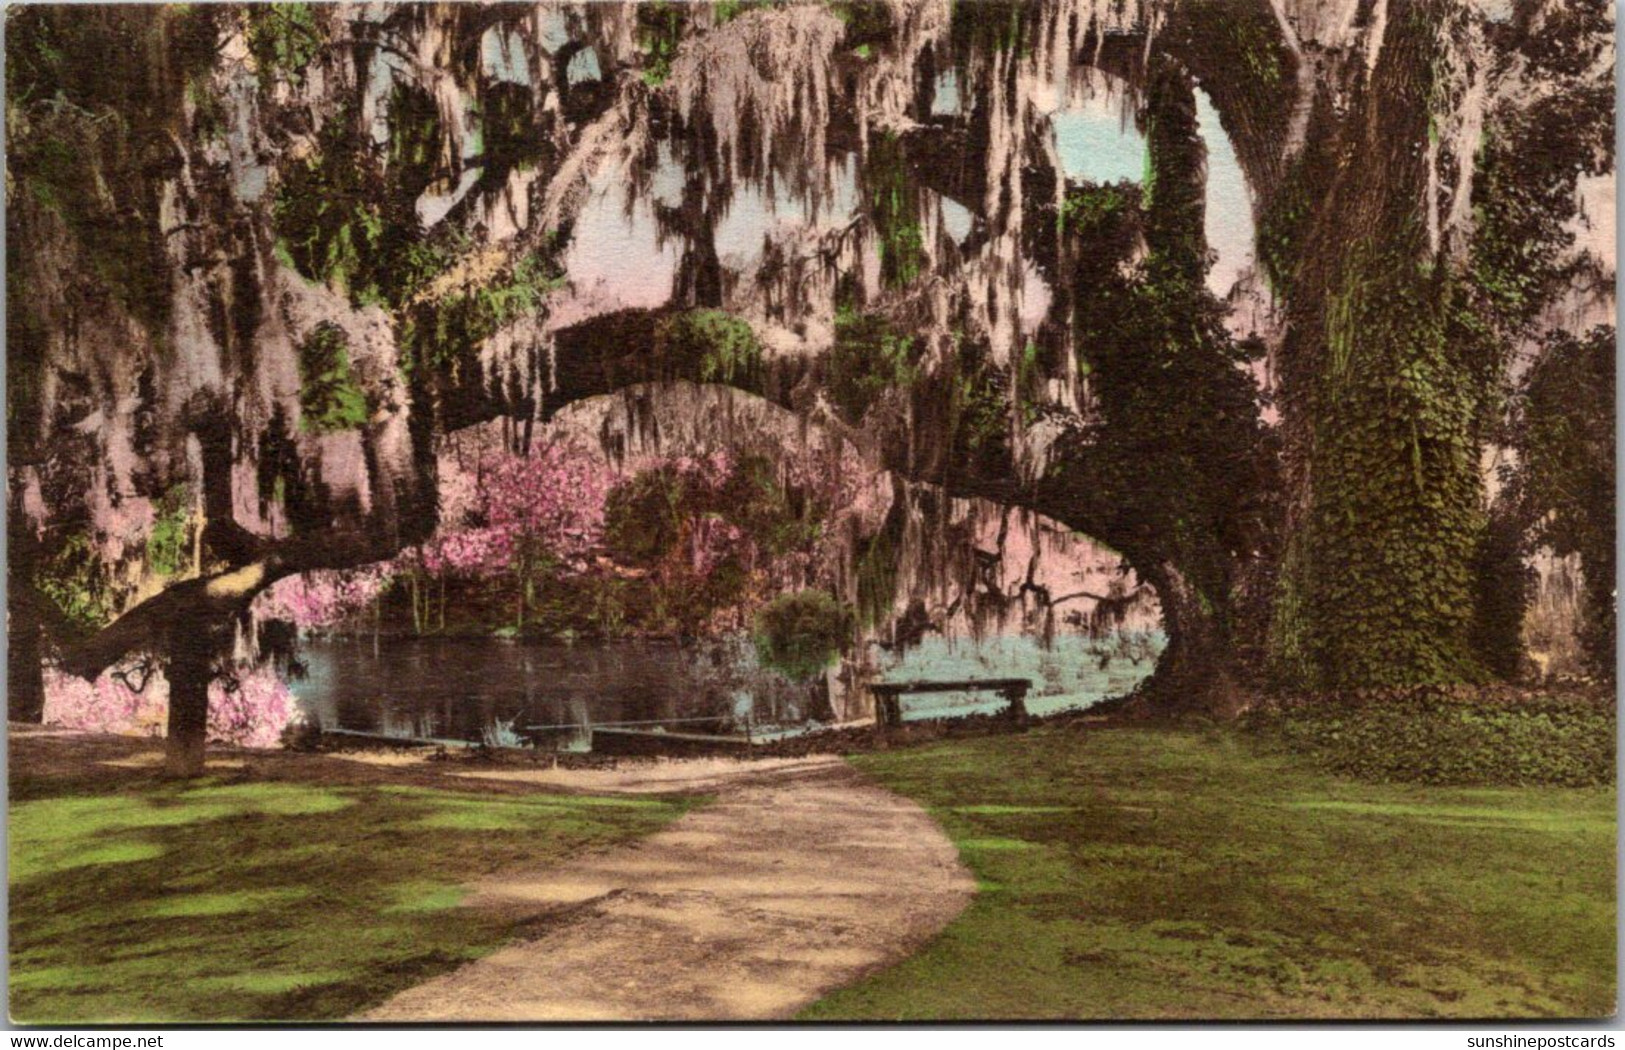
(797, 879)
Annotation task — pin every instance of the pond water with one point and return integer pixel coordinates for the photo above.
(484, 688)
(466, 689)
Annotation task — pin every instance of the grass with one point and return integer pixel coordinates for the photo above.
(1156, 873)
(152, 902)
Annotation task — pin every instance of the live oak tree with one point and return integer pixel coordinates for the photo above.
(268, 255)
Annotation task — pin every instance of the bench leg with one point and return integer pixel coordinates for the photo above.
(1018, 707)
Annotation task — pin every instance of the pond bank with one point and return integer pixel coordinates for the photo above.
(634, 747)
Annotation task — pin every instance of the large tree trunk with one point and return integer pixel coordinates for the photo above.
(191, 668)
(1197, 671)
(25, 681)
(1385, 495)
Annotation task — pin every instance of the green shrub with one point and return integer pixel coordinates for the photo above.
(643, 516)
(441, 334)
(329, 214)
(1100, 210)
(1563, 431)
(868, 25)
(1452, 736)
(800, 634)
(892, 195)
(659, 32)
(646, 515)
(728, 10)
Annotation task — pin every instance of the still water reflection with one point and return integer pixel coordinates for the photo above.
(465, 689)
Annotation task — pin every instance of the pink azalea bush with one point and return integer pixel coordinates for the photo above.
(248, 709)
(323, 598)
(251, 708)
(522, 507)
(108, 705)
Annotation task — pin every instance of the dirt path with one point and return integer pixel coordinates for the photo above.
(799, 877)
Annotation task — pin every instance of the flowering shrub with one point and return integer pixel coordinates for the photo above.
(251, 708)
(323, 598)
(557, 540)
(466, 552)
(550, 503)
(713, 539)
(248, 709)
(108, 705)
(521, 521)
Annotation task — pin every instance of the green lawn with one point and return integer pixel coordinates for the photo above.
(1155, 873)
(265, 901)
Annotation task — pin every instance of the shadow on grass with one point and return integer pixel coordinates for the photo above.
(151, 902)
(1159, 873)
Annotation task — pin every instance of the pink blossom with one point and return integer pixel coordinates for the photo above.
(248, 709)
(515, 508)
(323, 598)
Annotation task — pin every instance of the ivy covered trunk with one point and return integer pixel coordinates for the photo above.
(1381, 567)
(1175, 470)
(1385, 518)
